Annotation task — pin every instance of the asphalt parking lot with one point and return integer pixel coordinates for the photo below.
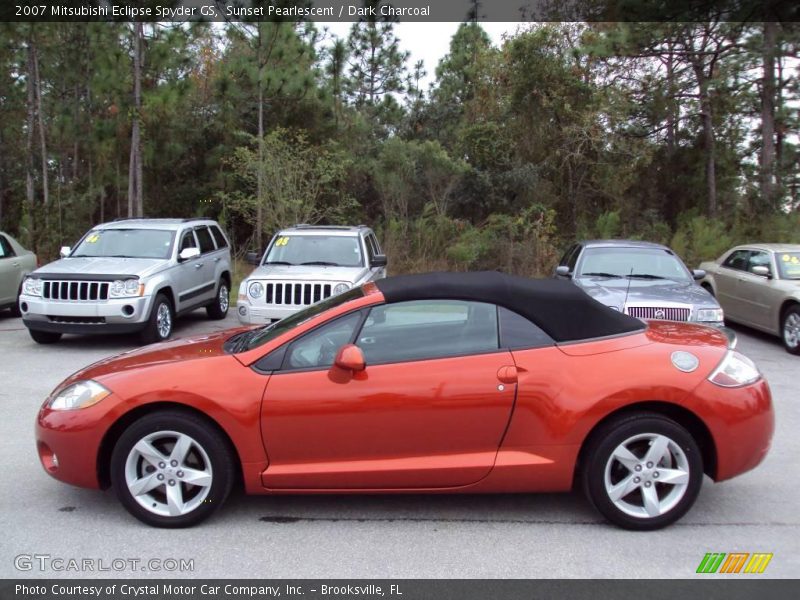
(509, 536)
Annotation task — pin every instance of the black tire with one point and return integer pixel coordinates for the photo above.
(218, 309)
(15, 309)
(790, 329)
(153, 331)
(209, 453)
(44, 337)
(629, 510)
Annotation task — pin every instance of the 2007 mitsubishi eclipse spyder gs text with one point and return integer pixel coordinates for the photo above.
(440, 383)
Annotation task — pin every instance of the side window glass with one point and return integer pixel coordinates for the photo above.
(517, 332)
(187, 241)
(5, 248)
(425, 329)
(318, 348)
(375, 243)
(565, 258)
(737, 260)
(204, 237)
(371, 251)
(573, 259)
(219, 238)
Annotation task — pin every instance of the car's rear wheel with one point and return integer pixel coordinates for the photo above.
(172, 469)
(218, 309)
(790, 329)
(44, 337)
(159, 325)
(642, 471)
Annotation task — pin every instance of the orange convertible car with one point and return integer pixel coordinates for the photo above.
(475, 382)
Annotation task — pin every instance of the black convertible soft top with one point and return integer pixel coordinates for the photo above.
(560, 308)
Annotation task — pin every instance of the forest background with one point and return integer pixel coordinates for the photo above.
(679, 133)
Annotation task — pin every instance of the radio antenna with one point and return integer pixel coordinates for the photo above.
(627, 291)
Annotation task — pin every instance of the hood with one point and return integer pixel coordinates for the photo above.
(613, 292)
(308, 273)
(101, 265)
(203, 347)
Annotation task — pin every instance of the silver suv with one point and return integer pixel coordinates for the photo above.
(305, 264)
(127, 276)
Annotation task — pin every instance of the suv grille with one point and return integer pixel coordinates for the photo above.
(659, 312)
(75, 290)
(295, 293)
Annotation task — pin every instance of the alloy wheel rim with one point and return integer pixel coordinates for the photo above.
(168, 473)
(647, 475)
(223, 298)
(791, 330)
(163, 320)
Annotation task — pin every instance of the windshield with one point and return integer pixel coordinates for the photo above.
(258, 337)
(640, 263)
(789, 265)
(126, 243)
(330, 250)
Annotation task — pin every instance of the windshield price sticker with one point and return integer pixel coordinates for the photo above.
(92, 239)
(282, 241)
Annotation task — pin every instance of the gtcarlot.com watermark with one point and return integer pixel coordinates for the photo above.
(49, 563)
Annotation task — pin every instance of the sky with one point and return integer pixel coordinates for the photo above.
(428, 42)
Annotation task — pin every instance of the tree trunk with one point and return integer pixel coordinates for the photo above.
(709, 139)
(768, 195)
(42, 139)
(135, 203)
(260, 176)
(31, 159)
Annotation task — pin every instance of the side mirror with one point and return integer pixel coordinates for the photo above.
(379, 260)
(252, 258)
(188, 254)
(761, 270)
(563, 271)
(350, 358)
(698, 274)
(65, 250)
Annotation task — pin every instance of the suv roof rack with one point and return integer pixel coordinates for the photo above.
(339, 227)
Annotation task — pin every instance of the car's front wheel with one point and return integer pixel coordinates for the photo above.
(159, 325)
(642, 471)
(218, 309)
(44, 337)
(790, 329)
(172, 469)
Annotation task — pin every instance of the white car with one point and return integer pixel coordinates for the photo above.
(305, 264)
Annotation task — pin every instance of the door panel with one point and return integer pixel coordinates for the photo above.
(419, 424)
(727, 283)
(9, 279)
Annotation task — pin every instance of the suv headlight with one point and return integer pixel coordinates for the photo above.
(341, 288)
(32, 287)
(710, 315)
(256, 290)
(125, 288)
(78, 395)
(735, 370)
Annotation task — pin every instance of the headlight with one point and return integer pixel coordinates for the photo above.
(735, 370)
(256, 290)
(341, 288)
(125, 288)
(32, 287)
(710, 315)
(78, 395)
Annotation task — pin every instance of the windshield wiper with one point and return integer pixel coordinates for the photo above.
(321, 263)
(601, 275)
(644, 276)
(278, 262)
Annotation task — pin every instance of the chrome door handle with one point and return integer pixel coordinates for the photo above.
(217, 259)
(198, 265)
(16, 264)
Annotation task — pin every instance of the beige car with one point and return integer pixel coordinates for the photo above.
(758, 285)
(15, 264)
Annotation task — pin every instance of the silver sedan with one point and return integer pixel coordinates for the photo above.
(15, 264)
(758, 285)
